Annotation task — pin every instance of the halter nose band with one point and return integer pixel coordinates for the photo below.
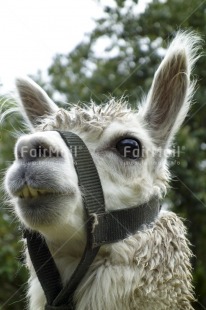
(101, 226)
(88, 176)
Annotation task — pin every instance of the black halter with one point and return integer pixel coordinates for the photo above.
(102, 227)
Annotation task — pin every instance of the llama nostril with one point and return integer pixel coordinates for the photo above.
(44, 150)
(41, 150)
(19, 154)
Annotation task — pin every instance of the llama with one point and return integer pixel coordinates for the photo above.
(149, 269)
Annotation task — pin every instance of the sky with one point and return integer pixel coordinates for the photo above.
(33, 31)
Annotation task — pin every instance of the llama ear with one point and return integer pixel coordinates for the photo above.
(35, 101)
(169, 98)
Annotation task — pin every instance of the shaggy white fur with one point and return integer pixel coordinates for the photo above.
(149, 270)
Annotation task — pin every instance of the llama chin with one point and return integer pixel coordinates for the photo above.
(130, 147)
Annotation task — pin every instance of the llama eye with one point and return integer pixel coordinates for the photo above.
(129, 148)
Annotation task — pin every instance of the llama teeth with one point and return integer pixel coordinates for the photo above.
(29, 192)
(33, 192)
(25, 192)
(41, 192)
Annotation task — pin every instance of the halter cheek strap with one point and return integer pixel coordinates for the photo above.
(102, 227)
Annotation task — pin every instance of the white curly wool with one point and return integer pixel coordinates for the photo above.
(149, 270)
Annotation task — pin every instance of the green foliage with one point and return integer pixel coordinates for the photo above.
(134, 44)
(12, 274)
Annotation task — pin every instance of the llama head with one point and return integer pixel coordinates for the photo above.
(129, 147)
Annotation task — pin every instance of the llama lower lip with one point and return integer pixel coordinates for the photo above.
(41, 211)
(36, 198)
(41, 202)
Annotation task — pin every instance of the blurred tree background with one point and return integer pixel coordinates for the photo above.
(119, 58)
(12, 274)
